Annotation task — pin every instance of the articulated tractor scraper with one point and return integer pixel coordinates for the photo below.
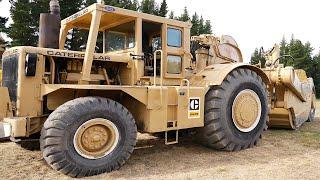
(292, 93)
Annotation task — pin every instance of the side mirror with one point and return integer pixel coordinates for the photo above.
(31, 64)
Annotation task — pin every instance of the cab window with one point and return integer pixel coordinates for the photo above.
(174, 65)
(120, 37)
(174, 37)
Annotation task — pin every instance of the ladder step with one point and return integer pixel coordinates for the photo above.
(174, 141)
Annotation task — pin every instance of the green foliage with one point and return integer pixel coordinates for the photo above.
(207, 27)
(185, 15)
(201, 26)
(89, 2)
(2, 41)
(163, 9)
(23, 30)
(171, 15)
(116, 3)
(315, 73)
(134, 5)
(195, 24)
(284, 50)
(149, 7)
(25, 16)
(3, 22)
(257, 57)
(302, 54)
(3, 28)
(198, 25)
(126, 4)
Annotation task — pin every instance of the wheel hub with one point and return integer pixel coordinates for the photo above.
(246, 110)
(96, 138)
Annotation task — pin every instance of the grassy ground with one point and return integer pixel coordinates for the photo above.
(282, 154)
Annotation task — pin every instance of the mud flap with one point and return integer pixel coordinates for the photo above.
(5, 106)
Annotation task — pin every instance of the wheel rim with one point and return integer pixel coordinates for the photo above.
(246, 110)
(96, 138)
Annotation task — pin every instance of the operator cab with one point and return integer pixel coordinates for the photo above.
(121, 40)
(143, 38)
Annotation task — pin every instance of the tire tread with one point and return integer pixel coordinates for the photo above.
(55, 125)
(217, 138)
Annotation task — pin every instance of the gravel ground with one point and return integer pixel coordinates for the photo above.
(281, 154)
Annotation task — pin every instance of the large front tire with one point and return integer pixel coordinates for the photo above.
(88, 136)
(235, 112)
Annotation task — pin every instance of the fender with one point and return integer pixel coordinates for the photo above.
(214, 75)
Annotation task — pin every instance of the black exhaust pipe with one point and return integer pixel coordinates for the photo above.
(49, 27)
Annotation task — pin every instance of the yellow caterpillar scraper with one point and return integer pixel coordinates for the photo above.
(150, 76)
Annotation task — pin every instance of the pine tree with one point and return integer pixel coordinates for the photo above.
(302, 54)
(134, 5)
(207, 27)
(156, 9)
(3, 28)
(78, 38)
(257, 57)
(3, 21)
(195, 24)
(315, 74)
(68, 8)
(171, 15)
(2, 41)
(201, 26)
(185, 15)
(25, 15)
(284, 50)
(22, 31)
(254, 57)
(126, 4)
(163, 9)
(149, 7)
(115, 3)
(87, 3)
(283, 46)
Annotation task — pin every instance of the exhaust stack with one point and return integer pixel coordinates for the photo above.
(49, 27)
(55, 7)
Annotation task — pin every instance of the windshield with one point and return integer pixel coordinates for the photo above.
(120, 37)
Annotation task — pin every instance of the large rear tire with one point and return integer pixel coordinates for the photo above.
(88, 136)
(235, 112)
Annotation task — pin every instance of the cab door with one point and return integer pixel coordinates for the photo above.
(176, 45)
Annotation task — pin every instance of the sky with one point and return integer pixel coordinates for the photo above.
(256, 23)
(253, 23)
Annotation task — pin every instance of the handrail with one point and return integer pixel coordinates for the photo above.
(155, 68)
(155, 72)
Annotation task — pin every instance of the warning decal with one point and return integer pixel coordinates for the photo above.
(194, 108)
